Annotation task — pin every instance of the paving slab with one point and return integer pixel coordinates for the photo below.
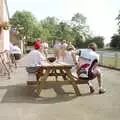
(58, 103)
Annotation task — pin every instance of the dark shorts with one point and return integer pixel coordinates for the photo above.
(93, 75)
(16, 56)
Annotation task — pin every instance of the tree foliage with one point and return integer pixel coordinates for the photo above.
(99, 40)
(115, 41)
(118, 23)
(24, 23)
(51, 28)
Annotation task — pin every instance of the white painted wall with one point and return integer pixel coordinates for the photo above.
(6, 37)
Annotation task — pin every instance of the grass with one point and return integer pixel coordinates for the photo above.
(111, 62)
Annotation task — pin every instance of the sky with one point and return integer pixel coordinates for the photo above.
(100, 14)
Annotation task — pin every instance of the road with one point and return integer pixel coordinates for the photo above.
(59, 103)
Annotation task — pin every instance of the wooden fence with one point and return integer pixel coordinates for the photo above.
(110, 59)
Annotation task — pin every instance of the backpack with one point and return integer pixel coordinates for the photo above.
(88, 71)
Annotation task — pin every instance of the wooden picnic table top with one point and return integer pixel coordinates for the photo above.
(46, 64)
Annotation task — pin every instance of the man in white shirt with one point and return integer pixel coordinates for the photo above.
(87, 67)
(14, 49)
(15, 53)
(35, 57)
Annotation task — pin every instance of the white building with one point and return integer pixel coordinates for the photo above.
(4, 17)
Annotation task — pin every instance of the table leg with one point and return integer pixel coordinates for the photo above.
(54, 71)
(73, 82)
(63, 74)
(40, 84)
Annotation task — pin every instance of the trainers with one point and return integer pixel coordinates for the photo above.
(101, 91)
(91, 89)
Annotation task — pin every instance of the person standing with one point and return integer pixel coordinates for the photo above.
(64, 44)
(45, 47)
(57, 49)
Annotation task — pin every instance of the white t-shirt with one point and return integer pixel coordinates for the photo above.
(11, 46)
(35, 58)
(57, 46)
(14, 49)
(64, 45)
(87, 56)
(44, 48)
(68, 59)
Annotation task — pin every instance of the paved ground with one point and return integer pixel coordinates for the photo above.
(59, 103)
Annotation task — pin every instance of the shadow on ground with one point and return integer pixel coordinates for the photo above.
(23, 94)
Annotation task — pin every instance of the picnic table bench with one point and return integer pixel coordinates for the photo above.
(56, 69)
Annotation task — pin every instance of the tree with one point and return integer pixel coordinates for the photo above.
(79, 23)
(115, 41)
(50, 28)
(80, 29)
(118, 19)
(99, 40)
(48, 25)
(25, 24)
(78, 19)
(64, 31)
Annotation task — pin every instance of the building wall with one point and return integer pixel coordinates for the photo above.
(4, 34)
(1, 32)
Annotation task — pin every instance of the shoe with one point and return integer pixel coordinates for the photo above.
(91, 89)
(101, 91)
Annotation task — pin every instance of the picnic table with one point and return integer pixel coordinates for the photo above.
(54, 69)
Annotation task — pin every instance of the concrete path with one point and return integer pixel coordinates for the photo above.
(59, 103)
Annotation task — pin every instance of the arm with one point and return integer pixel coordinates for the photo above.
(74, 54)
(74, 57)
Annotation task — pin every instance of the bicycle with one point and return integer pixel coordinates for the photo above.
(5, 64)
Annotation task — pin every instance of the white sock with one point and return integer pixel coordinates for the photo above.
(90, 84)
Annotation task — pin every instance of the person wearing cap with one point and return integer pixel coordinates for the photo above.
(35, 57)
(87, 66)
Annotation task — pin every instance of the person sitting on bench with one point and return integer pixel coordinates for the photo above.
(35, 57)
(87, 66)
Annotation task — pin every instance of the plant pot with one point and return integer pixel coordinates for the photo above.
(6, 28)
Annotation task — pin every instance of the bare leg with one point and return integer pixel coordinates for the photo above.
(91, 87)
(99, 80)
(101, 90)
